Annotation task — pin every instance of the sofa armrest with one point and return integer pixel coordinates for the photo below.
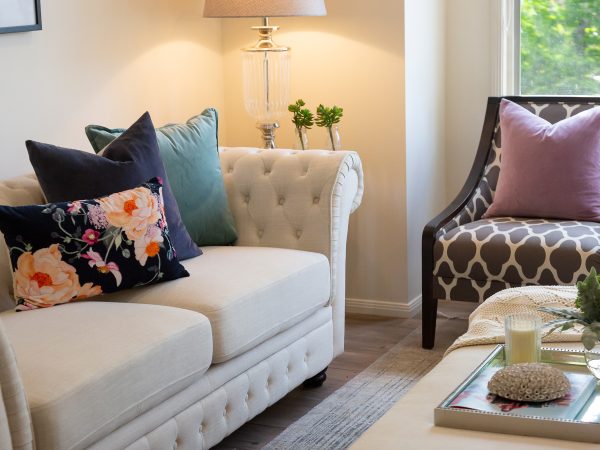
(298, 200)
(15, 422)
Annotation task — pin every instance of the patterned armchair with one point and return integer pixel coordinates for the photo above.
(468, 258)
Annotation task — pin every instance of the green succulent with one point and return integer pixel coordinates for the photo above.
(302, 117)
(327, 117)
(586, 313)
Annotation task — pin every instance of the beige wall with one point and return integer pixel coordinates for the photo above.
(425, 37)
(105, 62)
(92, 64)
(468, 84)
(353, 58)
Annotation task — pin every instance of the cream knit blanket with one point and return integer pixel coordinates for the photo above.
(486, 323)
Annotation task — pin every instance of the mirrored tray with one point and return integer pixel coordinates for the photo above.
(584, 427)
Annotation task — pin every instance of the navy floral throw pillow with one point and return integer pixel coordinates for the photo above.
(63, 252)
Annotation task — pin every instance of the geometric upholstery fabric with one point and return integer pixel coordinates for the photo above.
(518, 252)
(466, 258)
(483, 195)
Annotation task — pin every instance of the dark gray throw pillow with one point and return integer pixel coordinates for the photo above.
(132, 159)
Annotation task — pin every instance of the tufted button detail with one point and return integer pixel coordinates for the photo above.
(316, 200)
(230, 170)
(260, 233)
(246, 397)
(298, 234)
(246, 199)
(305, 358)
(267, 173)
(281, 200)
(200, 428)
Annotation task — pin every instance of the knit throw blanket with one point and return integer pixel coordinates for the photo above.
(486, 323)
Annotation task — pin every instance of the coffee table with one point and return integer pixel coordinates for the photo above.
(409, 423)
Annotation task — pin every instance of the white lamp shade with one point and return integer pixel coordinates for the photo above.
(264, 8)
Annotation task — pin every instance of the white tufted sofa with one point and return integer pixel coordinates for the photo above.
(166, 366)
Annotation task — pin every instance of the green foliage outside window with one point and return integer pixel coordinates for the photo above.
(560, 47)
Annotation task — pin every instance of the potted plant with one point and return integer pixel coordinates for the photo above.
(303, 120)
(585, 315)
(329, 118)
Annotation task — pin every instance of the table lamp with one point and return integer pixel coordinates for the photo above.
(266, 65)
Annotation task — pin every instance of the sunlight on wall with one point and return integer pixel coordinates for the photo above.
(109, 70)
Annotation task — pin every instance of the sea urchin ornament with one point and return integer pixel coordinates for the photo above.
(529, 382)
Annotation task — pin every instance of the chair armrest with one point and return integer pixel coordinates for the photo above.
(15, 422)
(298, 200)
(475, 197)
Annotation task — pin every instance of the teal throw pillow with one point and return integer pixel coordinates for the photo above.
(190, 155)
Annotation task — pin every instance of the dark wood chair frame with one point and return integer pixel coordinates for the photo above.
(430, 304)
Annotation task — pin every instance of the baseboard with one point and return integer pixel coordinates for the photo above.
(384, 307)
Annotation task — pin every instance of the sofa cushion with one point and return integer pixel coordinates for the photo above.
(249, 294)
(67, 174)
(548, 170)
(190, 154)
(88, 368)
(69, 251)
(22, 190)
(519, 251)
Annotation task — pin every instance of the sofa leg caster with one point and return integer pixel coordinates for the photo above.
(317, 380)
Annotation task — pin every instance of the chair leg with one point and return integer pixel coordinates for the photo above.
(429, 313)
(317, 380)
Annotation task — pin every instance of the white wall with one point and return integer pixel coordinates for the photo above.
(105, 62)
(425, 56)
(353, 58)
(469, 79)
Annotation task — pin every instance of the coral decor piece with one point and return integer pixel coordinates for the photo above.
(64, 252)
(529, 382)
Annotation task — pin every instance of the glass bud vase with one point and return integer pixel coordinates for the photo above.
(301, 139)
(592, 359)
(334, 141)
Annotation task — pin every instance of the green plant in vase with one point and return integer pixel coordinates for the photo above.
(585, 315)
(303, 120)
(328, 118)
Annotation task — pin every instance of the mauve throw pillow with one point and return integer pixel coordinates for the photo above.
(548, 170)
(130, 160)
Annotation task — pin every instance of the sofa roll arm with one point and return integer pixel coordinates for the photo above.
(298, 200)
(16, 431)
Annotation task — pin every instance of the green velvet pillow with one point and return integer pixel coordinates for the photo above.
(190, 154)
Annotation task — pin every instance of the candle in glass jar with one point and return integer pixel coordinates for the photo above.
(523, 338)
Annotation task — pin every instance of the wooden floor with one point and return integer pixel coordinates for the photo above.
(367, 338)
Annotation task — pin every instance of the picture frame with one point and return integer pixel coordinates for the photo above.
(20, 16)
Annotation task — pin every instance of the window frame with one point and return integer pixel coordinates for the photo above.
(506, 47)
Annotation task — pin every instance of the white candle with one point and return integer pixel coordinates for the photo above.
(523, 338)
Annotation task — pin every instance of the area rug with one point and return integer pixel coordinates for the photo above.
(342, 417)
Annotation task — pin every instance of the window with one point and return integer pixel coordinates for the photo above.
(559, 47)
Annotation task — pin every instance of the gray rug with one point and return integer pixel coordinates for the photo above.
(341, 418)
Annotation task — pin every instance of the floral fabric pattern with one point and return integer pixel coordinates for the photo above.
(64, 252)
